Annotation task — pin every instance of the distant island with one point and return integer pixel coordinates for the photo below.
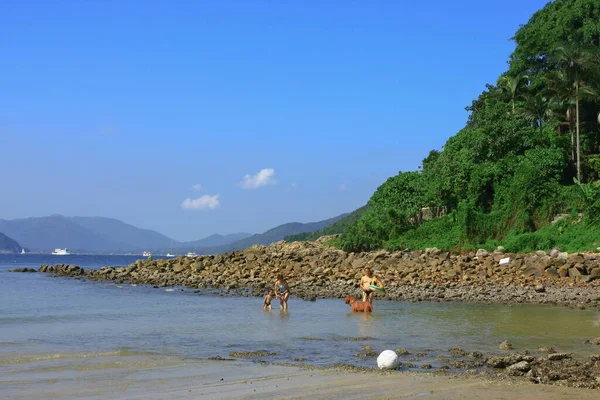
(8, 245)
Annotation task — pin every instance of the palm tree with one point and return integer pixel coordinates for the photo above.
(564, 95)
(573, 64)
(536, 109)
(509, 85)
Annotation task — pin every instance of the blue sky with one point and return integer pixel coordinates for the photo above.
(280, 110)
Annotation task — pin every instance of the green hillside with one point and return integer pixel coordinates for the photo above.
(332, 229)
(529, 140)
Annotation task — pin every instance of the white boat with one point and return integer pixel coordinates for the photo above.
(191, 254)
(22, 251)
(170, 254)
(61, 252)
(147, 254)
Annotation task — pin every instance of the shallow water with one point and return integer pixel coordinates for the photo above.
(47, 319)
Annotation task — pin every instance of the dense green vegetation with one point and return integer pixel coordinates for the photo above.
(529, 151)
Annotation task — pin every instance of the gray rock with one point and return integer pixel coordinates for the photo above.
(541, 253)
(481, 253)
(519, 368)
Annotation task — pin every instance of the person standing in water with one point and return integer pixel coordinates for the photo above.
(283, 291)
(365, 285)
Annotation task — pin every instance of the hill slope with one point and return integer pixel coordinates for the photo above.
(214, 240)
(272, 235)
(332, 229)
(48, 233)
(8, 245)
(127, 236)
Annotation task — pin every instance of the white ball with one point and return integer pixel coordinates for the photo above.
(388, 359)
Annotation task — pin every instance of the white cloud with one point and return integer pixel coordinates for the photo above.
(206, 202)
(342, 187)
(197, 187)
(264, 177)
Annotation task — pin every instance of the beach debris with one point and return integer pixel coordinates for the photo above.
(504, 261)
(388, 359)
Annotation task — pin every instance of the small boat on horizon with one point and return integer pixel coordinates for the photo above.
(147, 254)
(191, 254)
(170, 254)
(61, 252)
(22, 251)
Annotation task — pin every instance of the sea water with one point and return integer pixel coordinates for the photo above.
(46, 318)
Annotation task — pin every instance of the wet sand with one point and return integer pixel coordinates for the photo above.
(158, 377)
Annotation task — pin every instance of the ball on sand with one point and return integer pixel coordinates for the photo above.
(388, 359)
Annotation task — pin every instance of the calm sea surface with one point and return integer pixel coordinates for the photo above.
(44, 317)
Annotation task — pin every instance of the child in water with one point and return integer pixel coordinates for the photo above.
(267, 301)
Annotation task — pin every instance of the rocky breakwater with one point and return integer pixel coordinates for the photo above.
(314, 270)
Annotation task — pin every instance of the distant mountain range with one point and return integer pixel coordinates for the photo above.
(272, 235)
(109, 235)
(8, 245)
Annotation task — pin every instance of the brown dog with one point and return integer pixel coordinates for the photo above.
(359, 305)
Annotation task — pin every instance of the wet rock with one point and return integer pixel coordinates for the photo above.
(22, 270)
(426, 366)
(547, 350)
(495, 362)
(506, 345)
(518, 369)
(251, 354)
(457, 352)
(366, 353)
(402, 352)
(559, 356)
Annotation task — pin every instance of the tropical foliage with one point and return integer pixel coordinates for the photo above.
(506, 175)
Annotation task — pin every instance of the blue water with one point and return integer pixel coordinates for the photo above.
(41, 314)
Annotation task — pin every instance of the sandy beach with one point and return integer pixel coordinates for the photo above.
(158, 377)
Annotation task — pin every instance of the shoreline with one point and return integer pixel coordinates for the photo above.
(317, 271)
(158, 377)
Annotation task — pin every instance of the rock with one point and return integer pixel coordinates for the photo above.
(540, 253)
(519, 368)
(495, 362)
(23, 270)
(388, 359)
(481, 253)
(402, 352)
(506, 345)
(595, 341)
(539, 288)
(547, 350)
(500, 249)
(559, 356)
(554, 253)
